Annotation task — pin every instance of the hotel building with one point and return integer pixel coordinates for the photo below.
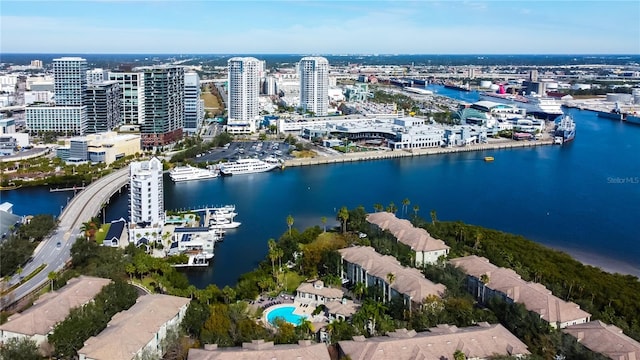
(314, 85)
(244, 90)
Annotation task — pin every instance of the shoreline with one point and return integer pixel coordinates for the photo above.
(391, 154)
(603, 263)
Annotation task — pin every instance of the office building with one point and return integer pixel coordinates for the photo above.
(70, 80)
(243, 93)
(163, 106)
(193, 105)
(314, 85)
(104, 106)
(105, 147)
(132, 104)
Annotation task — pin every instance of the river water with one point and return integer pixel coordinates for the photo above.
(583, 198)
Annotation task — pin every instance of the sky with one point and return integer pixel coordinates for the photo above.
(320, 27)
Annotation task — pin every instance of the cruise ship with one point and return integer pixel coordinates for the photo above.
(565, 130)
(186, 173)
(245, 166)
(536, 105)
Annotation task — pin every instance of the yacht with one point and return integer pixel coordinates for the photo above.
(245, 166)
(216, 223)
(186, 173)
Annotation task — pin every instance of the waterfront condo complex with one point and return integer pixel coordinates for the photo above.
(163, 106)
(146, 199)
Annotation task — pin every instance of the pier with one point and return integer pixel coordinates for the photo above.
(75, 188)
(391, 154)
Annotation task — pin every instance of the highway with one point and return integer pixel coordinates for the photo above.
(54, 251)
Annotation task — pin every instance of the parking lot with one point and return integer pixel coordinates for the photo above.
(246, 149)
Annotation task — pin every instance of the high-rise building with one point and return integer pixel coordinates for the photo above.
(314, 85)
(97, 75)
(163, 105)
(146, 196)
(70, 80)
(193, 105)
(104, 106)
(132, 104)
(68, 120)
(269, 86)
(36, 64)
(243, 93)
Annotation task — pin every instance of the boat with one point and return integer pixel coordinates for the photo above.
(488, 158)
(187, 173)
(565, 129)
(245, 166)
(216, 223)
(194, 241)
(539, 106)
(459, 87)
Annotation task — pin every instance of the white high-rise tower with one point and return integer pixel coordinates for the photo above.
(244, 89)
(70, 80)
(314, 85)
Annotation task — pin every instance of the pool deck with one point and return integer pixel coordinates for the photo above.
(298, 310)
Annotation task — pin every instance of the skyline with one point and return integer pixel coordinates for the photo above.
(356, 27)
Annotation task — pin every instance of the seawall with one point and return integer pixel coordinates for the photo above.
(390, 154)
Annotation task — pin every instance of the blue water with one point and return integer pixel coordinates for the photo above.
(285, 312)
(583, 198)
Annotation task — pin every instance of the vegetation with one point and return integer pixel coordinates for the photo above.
(19, 349)
(403, 101)
(611, 298)
(89, 320)
(195, 147)
(18, 248)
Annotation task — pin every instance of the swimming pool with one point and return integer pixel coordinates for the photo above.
(285, 312)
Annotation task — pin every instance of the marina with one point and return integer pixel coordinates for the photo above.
(188, 173)
(246, 166)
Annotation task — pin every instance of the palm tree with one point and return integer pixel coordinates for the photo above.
(378, 207)
(272, 255)
(359, 290)
(405, 205)
(52, 276)
(305, 326)
(416, 208)
(392, 208)
(324, 223)
(434, 216)
(484, 279)
(343, 216)
(290, 223)
(391, 277)
(130, 269)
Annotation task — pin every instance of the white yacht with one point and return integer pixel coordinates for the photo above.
(245, 166)
(216, 223)
(186, 173)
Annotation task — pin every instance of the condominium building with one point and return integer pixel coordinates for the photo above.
(139, 332)
(425, 248)
(132, 104)
(38, 321)
(362, 264)
(70, 80)
(146, 194)
(486, 280)
(193, 105)
(59, 119)
(314, 85)
(263, 350)
(163, 106)
(244, 89)
(97, 75)
(104, 106)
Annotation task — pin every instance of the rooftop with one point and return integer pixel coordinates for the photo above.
(477, 342)
(261, 350)
(416, 238)
(129, 331)
(318, 288)
(409, 281)
(605, 339)
(534, 296)
(53, 307)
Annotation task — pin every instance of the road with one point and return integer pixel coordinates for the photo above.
(80, 209)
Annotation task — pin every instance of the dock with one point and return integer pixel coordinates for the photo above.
(75, 188)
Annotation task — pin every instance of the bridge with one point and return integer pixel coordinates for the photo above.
(55, 251)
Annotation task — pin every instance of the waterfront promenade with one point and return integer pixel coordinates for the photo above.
(499, 144)
(54, 251)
